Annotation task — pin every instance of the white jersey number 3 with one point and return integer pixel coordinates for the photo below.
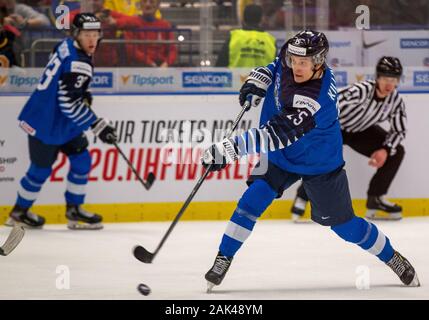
(50, 72)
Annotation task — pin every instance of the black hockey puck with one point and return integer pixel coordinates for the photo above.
(143, 289)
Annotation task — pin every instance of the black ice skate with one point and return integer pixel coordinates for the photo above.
(389, 210)
(298, 209)
(216, 274)
(79, 219)
(405, 271)
(22, 216)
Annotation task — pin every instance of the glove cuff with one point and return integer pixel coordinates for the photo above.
(99, 125)
(261, 77)
(230, 150)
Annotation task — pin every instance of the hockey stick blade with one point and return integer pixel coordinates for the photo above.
(142, 254)
(150, 180)
(14, 238)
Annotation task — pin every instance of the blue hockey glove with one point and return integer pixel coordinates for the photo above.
(255, 86)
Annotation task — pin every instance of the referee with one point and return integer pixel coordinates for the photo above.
(363, 106)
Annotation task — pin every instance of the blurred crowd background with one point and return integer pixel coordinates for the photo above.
(153, 33)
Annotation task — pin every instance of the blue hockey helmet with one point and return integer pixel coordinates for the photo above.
(307, 43)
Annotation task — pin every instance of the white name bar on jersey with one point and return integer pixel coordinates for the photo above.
(300, 101)
(81, 67)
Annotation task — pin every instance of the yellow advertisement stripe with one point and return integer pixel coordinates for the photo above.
(141, 212)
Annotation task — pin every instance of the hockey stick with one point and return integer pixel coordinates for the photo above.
(145, 256)
(150, 177)
(14, 238)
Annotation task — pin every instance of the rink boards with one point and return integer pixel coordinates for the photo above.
(165, 134)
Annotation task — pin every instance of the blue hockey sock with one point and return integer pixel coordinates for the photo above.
(31, 184)
(252, 204)
(77, 178)
(367, 236)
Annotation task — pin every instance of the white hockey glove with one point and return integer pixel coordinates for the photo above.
(103, 129)
(220, 154)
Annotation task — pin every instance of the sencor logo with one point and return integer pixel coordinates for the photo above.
(421, 78)
(102, 80)
(414, 43)
(207, 79)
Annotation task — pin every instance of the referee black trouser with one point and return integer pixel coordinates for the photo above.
(365, 143)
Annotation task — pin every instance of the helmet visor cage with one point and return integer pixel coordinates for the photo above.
(318, 58)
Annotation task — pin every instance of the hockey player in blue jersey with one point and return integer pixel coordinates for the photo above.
(300, 135)
(55, 118)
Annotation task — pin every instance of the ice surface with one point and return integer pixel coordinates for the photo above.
(280, 260)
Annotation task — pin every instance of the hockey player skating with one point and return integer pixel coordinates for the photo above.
(363, 106)
(55, 118)
(301, 134)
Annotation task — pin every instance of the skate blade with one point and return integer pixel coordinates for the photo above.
(12, 223)
(296, 218)
(77, 225)
(210, 286)
(379, 215)
(415, 282)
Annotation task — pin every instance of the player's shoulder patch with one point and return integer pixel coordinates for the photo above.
(81, 67)
(300, 101)
(63, 50)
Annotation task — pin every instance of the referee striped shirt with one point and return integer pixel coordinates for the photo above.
(360, 110)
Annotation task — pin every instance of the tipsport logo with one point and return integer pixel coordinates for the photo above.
(19, 81)
(144, 81)
(3, 80)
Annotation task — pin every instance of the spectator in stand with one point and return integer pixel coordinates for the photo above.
(250, 46)
(130, 7)
(107, 54)
(241, 4)
(150, 54)
(8, 34)
(31, 3)
(22, 16)
(273, 15)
